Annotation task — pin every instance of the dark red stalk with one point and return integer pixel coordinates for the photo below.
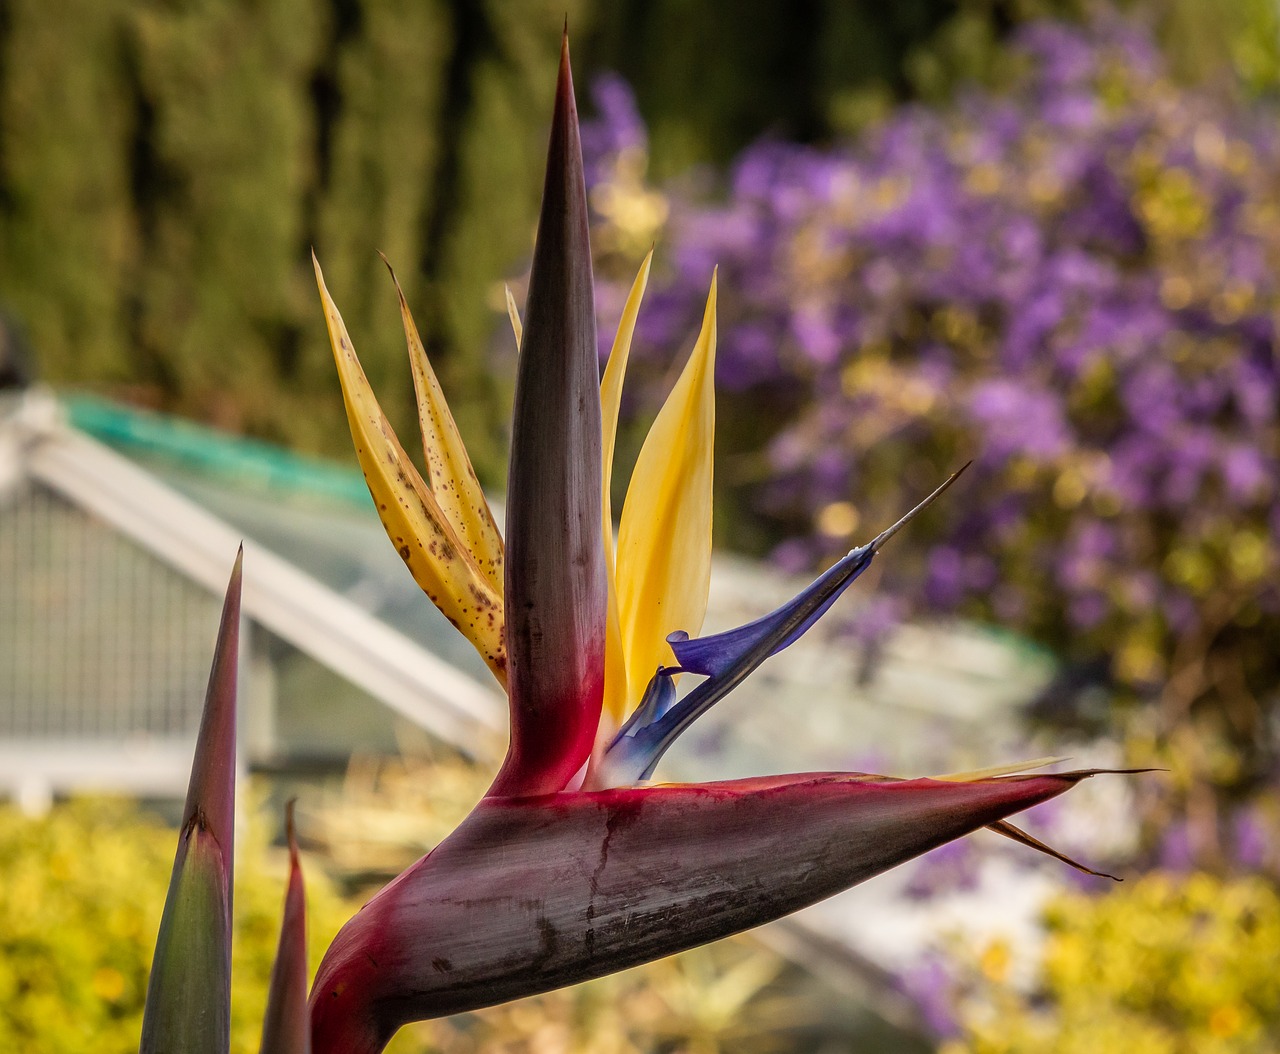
(555, 571)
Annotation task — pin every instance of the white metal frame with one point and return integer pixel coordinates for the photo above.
(316, 619)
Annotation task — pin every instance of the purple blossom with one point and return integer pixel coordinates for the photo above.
(1074, 284)
(1254, 840)
(1018, 420)
(616, 128)
(932, 985)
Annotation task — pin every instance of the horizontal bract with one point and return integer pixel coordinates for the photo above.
(532, 894)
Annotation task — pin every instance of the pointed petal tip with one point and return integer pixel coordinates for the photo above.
(878, 542)
(1071, 776)
(189, 991)
(556, 592)
(286, 1027)
(513, 314)
(1084, 774)
(1017, 834)
(290, 831)
(564, 76)
(404, 306)
(211, 790)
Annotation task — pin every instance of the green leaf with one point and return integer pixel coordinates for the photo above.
(188, 1007)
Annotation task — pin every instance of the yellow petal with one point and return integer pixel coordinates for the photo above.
(615, 676)
(450, 476)
(410, 514)
(664, 541)
(997, 770)
(513, 313)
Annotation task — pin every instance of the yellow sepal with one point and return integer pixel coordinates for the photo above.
(997, 770)
(664, 540)
(615, 677)
(513, 313)
(412, 517)
(450, 477)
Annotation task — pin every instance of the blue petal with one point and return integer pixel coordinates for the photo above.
(629, 758)
(716, 655)
(726, 659)
(659, 697)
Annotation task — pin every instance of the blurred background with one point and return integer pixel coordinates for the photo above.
(1039, 234)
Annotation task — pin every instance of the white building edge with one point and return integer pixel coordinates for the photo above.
(38, 446)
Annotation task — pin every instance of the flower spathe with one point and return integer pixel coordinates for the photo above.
(568, 869)
(188, 1004)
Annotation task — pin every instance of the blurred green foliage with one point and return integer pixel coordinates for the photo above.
(79, 908)
(164, 169)
(84, 887)
(1236, 44)
(712, 77)
(1168, 964)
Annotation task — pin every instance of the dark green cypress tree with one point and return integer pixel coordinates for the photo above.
(165, 168)
(68, 240)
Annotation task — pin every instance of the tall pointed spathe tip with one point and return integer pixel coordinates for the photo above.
(188, 1005)
(291, 835)
(566, 103)
(286, 1026)
(211, 791)
(555, 582)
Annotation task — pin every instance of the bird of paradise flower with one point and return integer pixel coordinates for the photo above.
(573, 865)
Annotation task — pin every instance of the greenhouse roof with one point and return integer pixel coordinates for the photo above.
(314, 575)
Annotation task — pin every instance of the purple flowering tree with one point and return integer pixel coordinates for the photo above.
(1072, 282)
